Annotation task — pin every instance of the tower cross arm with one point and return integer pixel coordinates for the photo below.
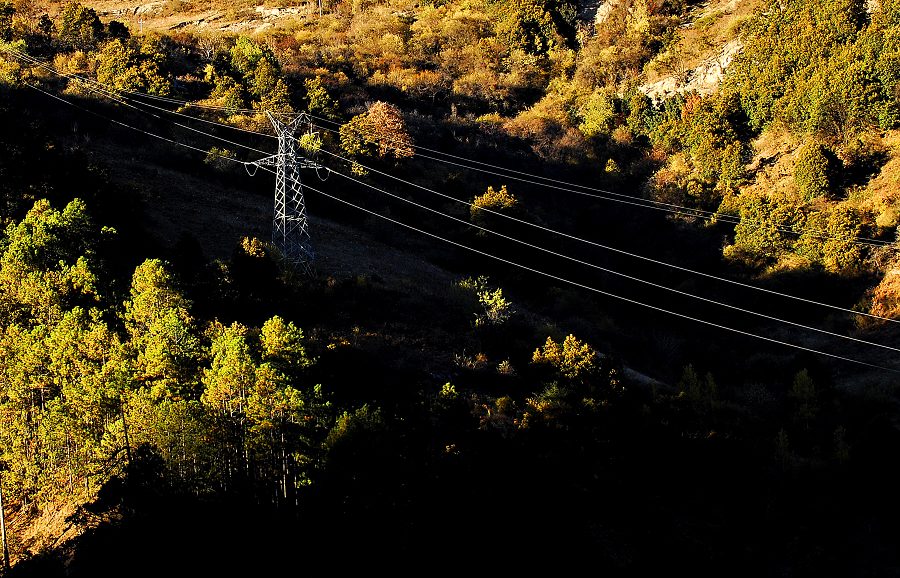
(273, 160)
(269, 161)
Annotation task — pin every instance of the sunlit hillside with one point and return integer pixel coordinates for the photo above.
(497, 282)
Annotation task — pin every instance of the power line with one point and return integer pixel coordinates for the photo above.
(598, 193)
(614, 272)
(122, 124)
(618, 197)
(501, 259)
(101, 89)
(626, 199)
(602, 292)
(614, 249)
(599, 245)
(531, 245)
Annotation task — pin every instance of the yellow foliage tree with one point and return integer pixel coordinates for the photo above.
(381, 130)
(573, 359)
(492, 201)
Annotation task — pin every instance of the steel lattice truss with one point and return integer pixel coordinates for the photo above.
(290, 227)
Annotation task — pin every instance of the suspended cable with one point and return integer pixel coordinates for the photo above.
(616, 250)
(247, 167)
(710, 214)
(101, 89)
(501, 259)
(614, 272)
(599, 193)
(122, 124)
(599, 245)
(602, 292)
(623, 198)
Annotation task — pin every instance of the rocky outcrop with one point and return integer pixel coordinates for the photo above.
(704, 79)
(596, 11)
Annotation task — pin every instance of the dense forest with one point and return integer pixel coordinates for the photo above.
(174, 394)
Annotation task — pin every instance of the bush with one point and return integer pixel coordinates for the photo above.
(572, 359)
(494, 308)
(219, 159)
(598, 115)
(811, 172)
(761, 231)
(494, 200)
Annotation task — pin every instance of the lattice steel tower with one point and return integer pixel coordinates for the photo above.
(290, 228)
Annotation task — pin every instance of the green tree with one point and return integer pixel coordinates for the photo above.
(227, 92)
(251, 72)
(60, 396)
(764, 229)
(79, 27)
(493, 200)
(45, 267)
(180, 430)
(494, 308)
(702, 393)
(246, 55)
(232, 373)
(268, 88)
(125, 65)
(598, 115)
(320, 102)
(162, 340)
(526, 25)
(282, 344)
(829, 238)
(805, 397)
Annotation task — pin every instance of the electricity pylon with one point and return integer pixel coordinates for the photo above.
(290, 228)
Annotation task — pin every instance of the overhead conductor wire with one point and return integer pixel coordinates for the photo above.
(516, 264)
(103, 89)
(618, 197)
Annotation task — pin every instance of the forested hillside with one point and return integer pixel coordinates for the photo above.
(564, 306)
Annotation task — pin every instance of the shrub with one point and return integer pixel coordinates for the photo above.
(219, 158)
(573, 359)
(495, 309)
(811, 171)
(493, 200)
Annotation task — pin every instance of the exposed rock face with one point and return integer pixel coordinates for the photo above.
(704, 79)
(596, 11)
(154, 17)
(272, 13)
(138, 10)
(604, 10)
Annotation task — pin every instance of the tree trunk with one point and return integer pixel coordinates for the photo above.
(125, 431)
(3, 533)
